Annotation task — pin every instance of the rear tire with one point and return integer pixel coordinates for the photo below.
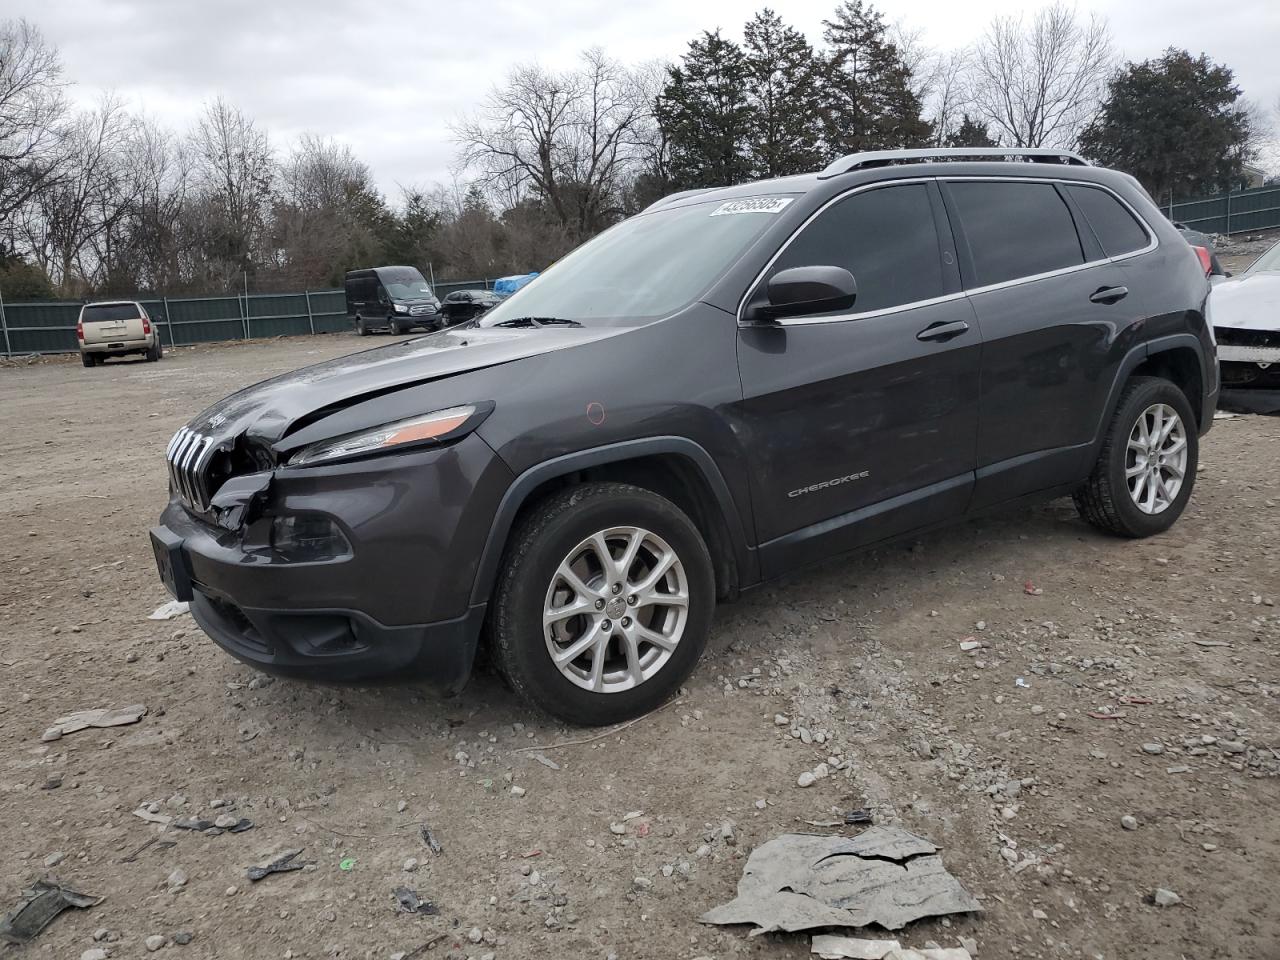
(1140, 482)
(89, 359)
(155, 352)
(637, 641)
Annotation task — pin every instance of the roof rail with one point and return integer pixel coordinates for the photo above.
(673, 197)
(884, 158)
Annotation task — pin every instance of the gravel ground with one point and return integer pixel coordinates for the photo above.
(1148, 691)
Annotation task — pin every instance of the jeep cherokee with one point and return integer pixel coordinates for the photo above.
(732, 383)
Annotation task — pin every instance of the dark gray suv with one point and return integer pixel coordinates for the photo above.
(732, 384)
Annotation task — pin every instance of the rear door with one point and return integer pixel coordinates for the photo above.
(111, 323)
(1057, 317)
(862, 424)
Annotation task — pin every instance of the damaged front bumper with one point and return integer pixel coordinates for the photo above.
(379, 583)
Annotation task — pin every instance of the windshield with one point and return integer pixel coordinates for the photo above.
(405, 283)
(648, 266)
(1268, 262)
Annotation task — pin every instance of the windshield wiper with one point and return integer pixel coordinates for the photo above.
(538, 322)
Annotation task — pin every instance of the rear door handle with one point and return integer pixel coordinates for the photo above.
(1109, 294)
(943, 331)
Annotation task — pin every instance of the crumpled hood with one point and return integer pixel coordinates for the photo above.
(267, 410)
(1251, 303)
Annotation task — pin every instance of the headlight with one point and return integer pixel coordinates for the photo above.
(428, 429)
(401, 308)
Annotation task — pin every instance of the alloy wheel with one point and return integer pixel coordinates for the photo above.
(615, 609)
(1156, 458)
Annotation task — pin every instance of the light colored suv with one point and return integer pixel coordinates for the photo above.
(115, 328)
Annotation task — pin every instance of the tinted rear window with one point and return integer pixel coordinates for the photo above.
(1114, 226)
(110, 311)
(1015, 229)
(885, 237)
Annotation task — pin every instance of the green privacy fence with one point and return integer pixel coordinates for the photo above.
(49, 326)
(1241, 211)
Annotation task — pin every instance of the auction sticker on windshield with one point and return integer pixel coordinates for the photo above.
(752, 205)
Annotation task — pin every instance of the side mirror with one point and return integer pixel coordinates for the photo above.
(805, 290)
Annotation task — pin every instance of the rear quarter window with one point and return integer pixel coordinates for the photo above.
(98, 312)
(1117, 230)
(1015, 229)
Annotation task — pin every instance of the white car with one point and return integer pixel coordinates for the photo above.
(115, 328)
(1245, 310)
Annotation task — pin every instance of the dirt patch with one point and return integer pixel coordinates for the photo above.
(1140, 681)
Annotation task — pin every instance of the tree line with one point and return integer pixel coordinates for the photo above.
(108, 201)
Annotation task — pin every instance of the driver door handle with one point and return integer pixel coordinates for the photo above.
(943, 331)
(1109, 294)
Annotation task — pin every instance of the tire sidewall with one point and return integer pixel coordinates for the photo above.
(1159, 391)
(531, 665)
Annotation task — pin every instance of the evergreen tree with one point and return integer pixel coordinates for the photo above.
(870, 103)
(705, 116)
(1176, 123)
(784, 91)
(970, 133)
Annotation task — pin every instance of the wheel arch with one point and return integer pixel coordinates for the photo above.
(674, 467)
(1178, 358)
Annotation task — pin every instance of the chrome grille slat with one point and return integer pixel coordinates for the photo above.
(188, 456)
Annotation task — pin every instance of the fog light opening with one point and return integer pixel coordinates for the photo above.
(303, 537)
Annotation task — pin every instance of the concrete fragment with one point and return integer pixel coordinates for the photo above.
(885, 875)
(832, 947)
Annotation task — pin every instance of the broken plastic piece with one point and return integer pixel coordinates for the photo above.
(885, 875)
(861, 815)
(430, 840)
(100, 717)
(408, 901)
(282, 864)
(41, 902)
(347, 864)
(167, 611)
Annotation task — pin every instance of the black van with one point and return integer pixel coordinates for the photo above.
(394, 299)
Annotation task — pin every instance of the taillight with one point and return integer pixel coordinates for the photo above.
(79, 330)
(1206, 261)
(146, 327)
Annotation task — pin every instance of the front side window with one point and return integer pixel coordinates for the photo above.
(1015, 229)
(885, 237)
(1117, 231)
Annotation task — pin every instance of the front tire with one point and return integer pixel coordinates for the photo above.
(392, 327)
(604, 603)
(361, 329)
(1146, 469)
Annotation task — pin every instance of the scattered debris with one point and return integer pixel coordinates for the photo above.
(1165, 898)
(1129, 822)
(283, 864)
(152, 817)
(1031, 590)
(1136, 701)
(1098, 715)
(214, 828)
(347, 864)
(101, 717)
(408, 901)
(41, 902)
(1211, 643)
(167, 611)
(546, 761)
(430, 840)
(829, 946)
(885, 875)
(861, 815)
(1021, 682)
(968, 644)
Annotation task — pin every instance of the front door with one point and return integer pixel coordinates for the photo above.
(862, 425)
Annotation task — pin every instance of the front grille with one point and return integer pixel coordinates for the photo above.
(421, 311)
(188, 455)
(1240, 337)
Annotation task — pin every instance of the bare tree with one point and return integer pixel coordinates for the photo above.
(158, 252)
(233, 168)
(565, 139)
(69, 223)
(1038, 84)
(32, 114)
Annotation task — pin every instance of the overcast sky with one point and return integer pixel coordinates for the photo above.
(389, 77)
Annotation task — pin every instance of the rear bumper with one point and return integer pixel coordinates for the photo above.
(118, 346)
